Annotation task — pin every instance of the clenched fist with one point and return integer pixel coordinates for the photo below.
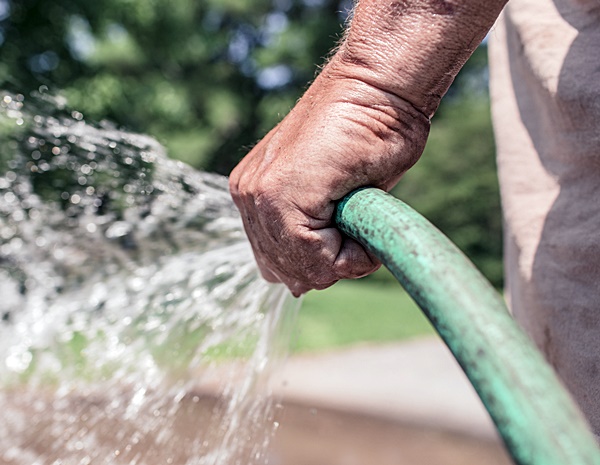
(343, 134)
(363, 122)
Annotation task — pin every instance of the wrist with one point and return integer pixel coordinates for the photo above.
(413, 48)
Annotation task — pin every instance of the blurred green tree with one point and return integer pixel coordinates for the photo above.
(207, 78)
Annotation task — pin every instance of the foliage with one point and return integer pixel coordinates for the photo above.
(209, 78)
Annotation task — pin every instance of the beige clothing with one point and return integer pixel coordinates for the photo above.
(545, 86)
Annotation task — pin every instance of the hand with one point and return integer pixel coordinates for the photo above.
(363, 122)
(342, 134)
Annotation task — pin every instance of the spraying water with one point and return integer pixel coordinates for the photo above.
(134, 327)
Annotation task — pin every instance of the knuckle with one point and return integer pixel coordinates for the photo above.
(358, 268)
(318, 274)
(234, 184)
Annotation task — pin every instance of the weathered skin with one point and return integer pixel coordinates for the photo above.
(364, 121)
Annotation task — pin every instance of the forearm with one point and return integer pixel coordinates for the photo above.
(413, 49)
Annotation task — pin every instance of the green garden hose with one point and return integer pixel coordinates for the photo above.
(537, 419)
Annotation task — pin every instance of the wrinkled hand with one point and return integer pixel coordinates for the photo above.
(343, 134)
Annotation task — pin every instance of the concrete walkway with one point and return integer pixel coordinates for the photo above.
(416, 382)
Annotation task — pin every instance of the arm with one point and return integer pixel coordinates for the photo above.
(364, 121)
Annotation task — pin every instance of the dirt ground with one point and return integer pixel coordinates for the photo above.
(305, 436)
(325, 437)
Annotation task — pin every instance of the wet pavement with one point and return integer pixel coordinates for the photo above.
(397, 404)
(417, 382)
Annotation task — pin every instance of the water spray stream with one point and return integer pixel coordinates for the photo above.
(135, 327)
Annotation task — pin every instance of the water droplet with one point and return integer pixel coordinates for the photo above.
(118, 229)
(18, 360)
(18, 215)
(7, 232)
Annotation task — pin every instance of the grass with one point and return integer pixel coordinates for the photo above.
(352, 312)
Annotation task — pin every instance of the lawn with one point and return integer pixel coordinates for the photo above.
(352, 312)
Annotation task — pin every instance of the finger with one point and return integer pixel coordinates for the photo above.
(297, 289)
(341, 257)
(319, 249)
(250, 226)
(353, 261)
(264, 266)
(268, 274)
(245, 169)
(305, 271)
